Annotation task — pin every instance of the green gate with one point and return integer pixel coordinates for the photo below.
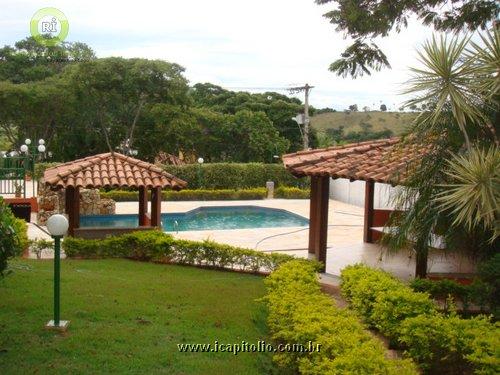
(13, 175)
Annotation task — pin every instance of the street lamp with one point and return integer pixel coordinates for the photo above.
(31, 152)
(200, 163)
(57, 225)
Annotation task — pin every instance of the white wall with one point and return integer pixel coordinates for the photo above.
(354, 193)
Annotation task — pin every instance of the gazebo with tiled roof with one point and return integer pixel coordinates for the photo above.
(384, 161)
(112, 170)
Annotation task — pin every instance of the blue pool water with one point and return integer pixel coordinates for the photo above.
(206, 218)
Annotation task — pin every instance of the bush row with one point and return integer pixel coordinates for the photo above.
(478, 293)
(234, 175)
(300, 313)
(160, 247)
(440, 344)
(210, 195)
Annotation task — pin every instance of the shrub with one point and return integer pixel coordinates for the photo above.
(291, 193)
(41, 167)
(234, 175)
(208, 195)
(440, 344)
(157, 246)
(451, 345)
(300, 313)
(13, 235)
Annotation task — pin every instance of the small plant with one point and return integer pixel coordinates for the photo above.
(18, 188)
(38, 246)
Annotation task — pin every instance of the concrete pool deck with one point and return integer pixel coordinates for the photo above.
(345, 237)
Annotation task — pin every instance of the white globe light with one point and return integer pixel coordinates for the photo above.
(41, 141)
(41, 148)
(27, 141)
(57, 225)
(24, 148)
(200, 160)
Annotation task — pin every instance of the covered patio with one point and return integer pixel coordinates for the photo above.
(111, 170)
(383, 161)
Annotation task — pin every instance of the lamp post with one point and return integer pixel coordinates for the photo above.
(57, 225)
(200, 163)
(33, 151)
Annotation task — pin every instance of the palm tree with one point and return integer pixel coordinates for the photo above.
(458, 84)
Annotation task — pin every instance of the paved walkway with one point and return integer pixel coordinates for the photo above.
(345, 237)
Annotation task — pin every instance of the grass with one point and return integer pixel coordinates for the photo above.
(394, 121)
(128, 317)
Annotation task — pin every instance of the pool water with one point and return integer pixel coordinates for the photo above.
(207, 218)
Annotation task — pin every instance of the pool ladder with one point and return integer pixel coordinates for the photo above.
(176, 226)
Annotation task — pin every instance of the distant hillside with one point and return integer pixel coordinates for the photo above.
(353, 121)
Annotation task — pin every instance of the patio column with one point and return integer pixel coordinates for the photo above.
(368, 221)
(313, 213)
(156, 207)
(143, 205)
(72, 204)
(318, 224)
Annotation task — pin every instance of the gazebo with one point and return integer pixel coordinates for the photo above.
(111, 170)
(384, 161)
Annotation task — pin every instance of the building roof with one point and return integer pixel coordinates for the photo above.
(383, 160)
(110, 170)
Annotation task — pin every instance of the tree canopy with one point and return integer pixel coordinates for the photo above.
(367, 19)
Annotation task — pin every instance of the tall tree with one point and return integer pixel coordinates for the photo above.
(368, 19)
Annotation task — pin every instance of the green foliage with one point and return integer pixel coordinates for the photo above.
(300, 313)
(478, 293)
(369, 19)
(439, 344)
(13, 236)
(211, 195)
(38, 246)
(234, 175)
(473, 193)
(157, 246)
(450, 345)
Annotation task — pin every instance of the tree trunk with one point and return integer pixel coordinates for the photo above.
(421, 262)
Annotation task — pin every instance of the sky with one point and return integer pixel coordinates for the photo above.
(251, 45)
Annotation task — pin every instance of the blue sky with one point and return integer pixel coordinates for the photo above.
(259, 43)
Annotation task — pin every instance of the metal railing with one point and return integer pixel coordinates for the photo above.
(13, 175)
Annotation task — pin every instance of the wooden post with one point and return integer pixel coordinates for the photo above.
(313, 214)
(76, 202)
(324, 199)
(143, 205)
(156, 207)
(368, 222)
(73, 208)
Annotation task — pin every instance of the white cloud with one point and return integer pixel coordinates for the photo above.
(259, 43)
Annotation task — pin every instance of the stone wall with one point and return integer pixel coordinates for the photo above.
(52, 202)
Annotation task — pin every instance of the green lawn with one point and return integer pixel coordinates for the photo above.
(128, 317)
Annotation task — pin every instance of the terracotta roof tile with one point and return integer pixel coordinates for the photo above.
(110, 170)
(383, 160)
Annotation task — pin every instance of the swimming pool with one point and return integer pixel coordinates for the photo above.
(207, 218)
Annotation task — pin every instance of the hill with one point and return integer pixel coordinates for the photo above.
(356, 121)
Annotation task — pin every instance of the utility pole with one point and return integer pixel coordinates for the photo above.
(306, 88)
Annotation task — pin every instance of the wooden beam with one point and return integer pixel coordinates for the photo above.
(156, 207)
(368, 222)
(322, 239)
(143, 205)
(76, 202)
(313, 214)
(70, 208)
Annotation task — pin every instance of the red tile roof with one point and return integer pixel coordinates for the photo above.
(383, 160)
(110, 170)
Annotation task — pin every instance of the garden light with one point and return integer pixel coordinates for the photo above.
(57, 225)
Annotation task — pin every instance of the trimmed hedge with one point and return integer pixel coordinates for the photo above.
(234, 175)
(160, 247)
(411, 320)
(210, 195)
(300, 313)
(478, 293)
